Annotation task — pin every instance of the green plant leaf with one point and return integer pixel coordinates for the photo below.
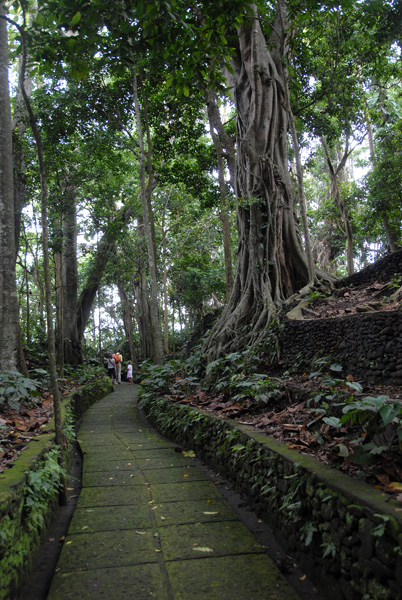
(343, 450)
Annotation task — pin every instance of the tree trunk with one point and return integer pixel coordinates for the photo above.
(333, 173)
(143, 316)
(69, 340)
(128, 320)
(157, 344)
(271, 262)
(216, 126)
(165, 290)
(19, 129)
(9, 318)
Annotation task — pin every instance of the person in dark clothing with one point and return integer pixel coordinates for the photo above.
(111, 367)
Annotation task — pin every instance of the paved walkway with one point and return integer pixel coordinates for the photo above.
(150, 524)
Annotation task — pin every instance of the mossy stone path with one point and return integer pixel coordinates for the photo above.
(150, 524)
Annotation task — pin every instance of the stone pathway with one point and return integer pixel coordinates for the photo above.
(150, 524)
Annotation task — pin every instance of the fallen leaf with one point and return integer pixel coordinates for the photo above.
(203, 549)
(303, 578)
(188, 453)
(211, 513)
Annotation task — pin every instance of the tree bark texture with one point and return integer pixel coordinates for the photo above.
(9, 318)
(271, 262)
(68, 338)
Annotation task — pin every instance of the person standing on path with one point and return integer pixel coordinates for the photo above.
(130, 372)
(111, 367)
(119, 360)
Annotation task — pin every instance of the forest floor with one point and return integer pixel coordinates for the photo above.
(294, 420)
(291, 420)
(17, 428)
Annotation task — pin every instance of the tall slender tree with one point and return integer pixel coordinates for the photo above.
(9, 318)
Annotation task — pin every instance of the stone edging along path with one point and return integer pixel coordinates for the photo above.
(24, 512)
(346, 535)
(150, 523)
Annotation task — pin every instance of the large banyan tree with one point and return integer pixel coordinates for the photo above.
(190, 45)
(271, 262)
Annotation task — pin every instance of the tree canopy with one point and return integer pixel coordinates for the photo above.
(181, 142)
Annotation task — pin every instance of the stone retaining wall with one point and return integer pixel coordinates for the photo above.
(382, 270)
(22, 524)
(342, 532)
(368, 345)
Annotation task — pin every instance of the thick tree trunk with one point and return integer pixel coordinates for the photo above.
(143, 316)
(271, 262)
(68, 338)
(9, 318)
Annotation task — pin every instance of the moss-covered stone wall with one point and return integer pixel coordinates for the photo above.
(26, 506)
(368, 345)
(343, 532)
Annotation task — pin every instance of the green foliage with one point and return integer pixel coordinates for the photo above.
(42, 486)
(307, 532)
(15, 389)
(379, 530)
(20, 533)
(163, 379)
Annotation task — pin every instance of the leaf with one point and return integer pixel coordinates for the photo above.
(343, 450)
(188, 453)
(332, 421)
(203, 549)
(396, 486)
(169, 80)
(354, 386)
(76, 18)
